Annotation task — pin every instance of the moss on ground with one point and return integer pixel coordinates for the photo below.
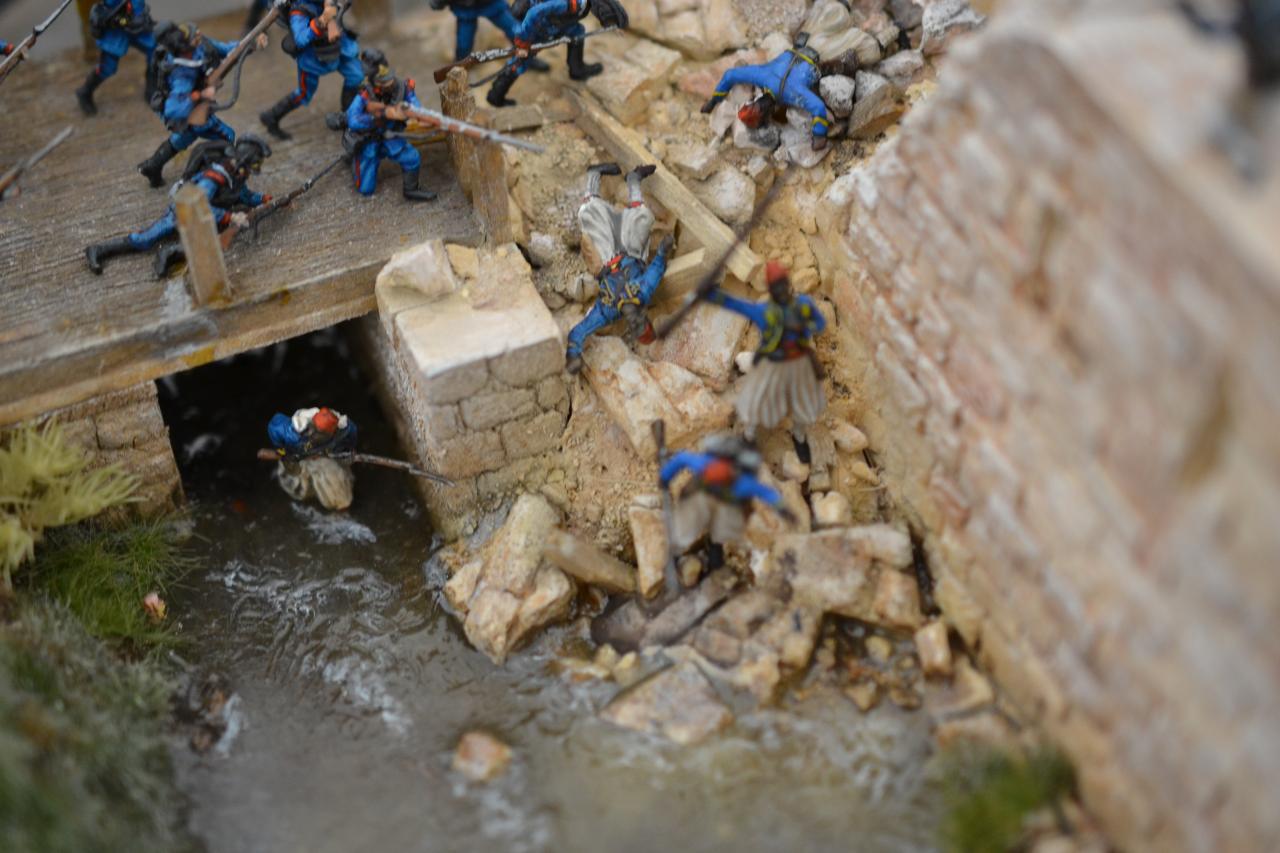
(102, 576)
(989, 794)
(84, 760)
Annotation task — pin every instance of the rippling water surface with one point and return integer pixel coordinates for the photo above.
(353, 685)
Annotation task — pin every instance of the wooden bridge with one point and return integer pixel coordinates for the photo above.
(67, 335)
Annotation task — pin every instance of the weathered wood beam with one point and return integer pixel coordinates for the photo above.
(683, 275)
(481, 166)
(206, 268)
(628, 149)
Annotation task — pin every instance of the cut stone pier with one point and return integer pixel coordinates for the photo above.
(475, 363)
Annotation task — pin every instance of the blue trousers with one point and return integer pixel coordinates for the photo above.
(116, 43)
(310, 70)
(602, 315)
(496, 11)
(364, 168)
(164, 227)
(214, 128)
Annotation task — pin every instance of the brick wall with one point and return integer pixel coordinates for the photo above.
(1064, 310)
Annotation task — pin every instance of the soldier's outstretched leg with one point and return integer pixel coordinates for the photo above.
(595, 172)
(99, 253)
(84, 95)
(501, 85)
(271, 118)
(579, 69)
(152, 168)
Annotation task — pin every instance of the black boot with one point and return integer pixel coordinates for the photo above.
(271, 118)
(256, 11)
(101, 252)
(348, 95)
(501, 85)
(579, 69)
(169, 256)
(84, 95)
(411, 189)
(152, 168)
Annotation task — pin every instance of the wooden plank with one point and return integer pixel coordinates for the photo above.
(482, 167)
(683, 275)
(626, 146)
(206, 269)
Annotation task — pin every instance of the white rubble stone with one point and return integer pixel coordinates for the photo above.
(414, 277)
(677, 703)
(633, 79)
(943, 20)
(481, 757)
(848, 438)
(876, 106)
(833, 32)
(703, 343)
(729, 194)
(934, 649)
(693, 161)
(635, 392)
(902, 69)
(544, 248)
(837, 91)
(744, 361)
(764, 138)
(725, 116)
(832, 510)
(649, 534)
(793, 468)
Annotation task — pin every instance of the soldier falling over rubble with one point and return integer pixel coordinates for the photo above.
(621, 239)
(789, 80)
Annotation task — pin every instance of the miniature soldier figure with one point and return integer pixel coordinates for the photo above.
(321, 44)
(376, 112)
(256, 10)
(718, 499)
(184, 59)
(306, 444)
(221, 170)
(791, 80)
(469, 13)
(5, 48)
(621, 238)
(116, 25)
(786, 378)
(547, 20)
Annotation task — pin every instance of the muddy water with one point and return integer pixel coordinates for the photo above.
(353, 685)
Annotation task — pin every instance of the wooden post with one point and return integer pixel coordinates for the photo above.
(86, 38)
(206, 269)
(481, 166)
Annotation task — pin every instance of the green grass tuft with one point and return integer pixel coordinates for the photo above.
(84, 764)
(102, 576)
(990, 793)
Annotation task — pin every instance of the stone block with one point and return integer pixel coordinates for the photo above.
(529, 438)
(897, 601)
(485, 411)
(677, 703)
(633, 78)
(875, 107)
(704, 343)
(649, 535)
(587, 563)
(468, 455)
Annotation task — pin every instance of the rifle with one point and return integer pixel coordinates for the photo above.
(712, 278)
(262, 211)
(9, 180)
(20, 49)
(670, 573)
(200, 114)
(431, 118)
(481, 57)
(267, 455)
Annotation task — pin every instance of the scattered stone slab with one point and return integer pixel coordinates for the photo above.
(833, 32)
(907, 14)
(837, 90)
(585, 562)
(897, 601)
(832, 510)
(840, 571)
(693, 161)
(943, 20)
(481, 757)
(795, 142)
(649, 535)
(633, 78)
(934, 649)
(677, 703)
(509, 590)
(635, 392)
(876, 106)
(729, 194)
(902, 69)
(704, 342)
(848, 438)
(793, 468)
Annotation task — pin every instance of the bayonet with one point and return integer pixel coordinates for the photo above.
(484, 56)
(20, 49)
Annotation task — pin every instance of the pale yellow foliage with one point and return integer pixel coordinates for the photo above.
(44, 483)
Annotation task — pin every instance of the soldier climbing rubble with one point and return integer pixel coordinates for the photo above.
(789, 80)
(621, 239)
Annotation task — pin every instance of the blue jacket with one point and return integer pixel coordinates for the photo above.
(361, 120)
(212, 182)
(791, 77)
(549, 20)
(740, 491)
(309, 442)
(785, 332)
(188, 75)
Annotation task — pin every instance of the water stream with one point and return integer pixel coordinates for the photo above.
(352, 685)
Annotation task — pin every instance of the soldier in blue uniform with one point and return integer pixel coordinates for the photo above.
(221, 170)
(786, 378)
(184, 59)
(469, 13)
(547, 20)
(621, 238)
(256, 10)
(116, 25)
(717, 499)
(322, 45)
(790, 79)
(5, 48)
(374, 114)
(312, 432)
